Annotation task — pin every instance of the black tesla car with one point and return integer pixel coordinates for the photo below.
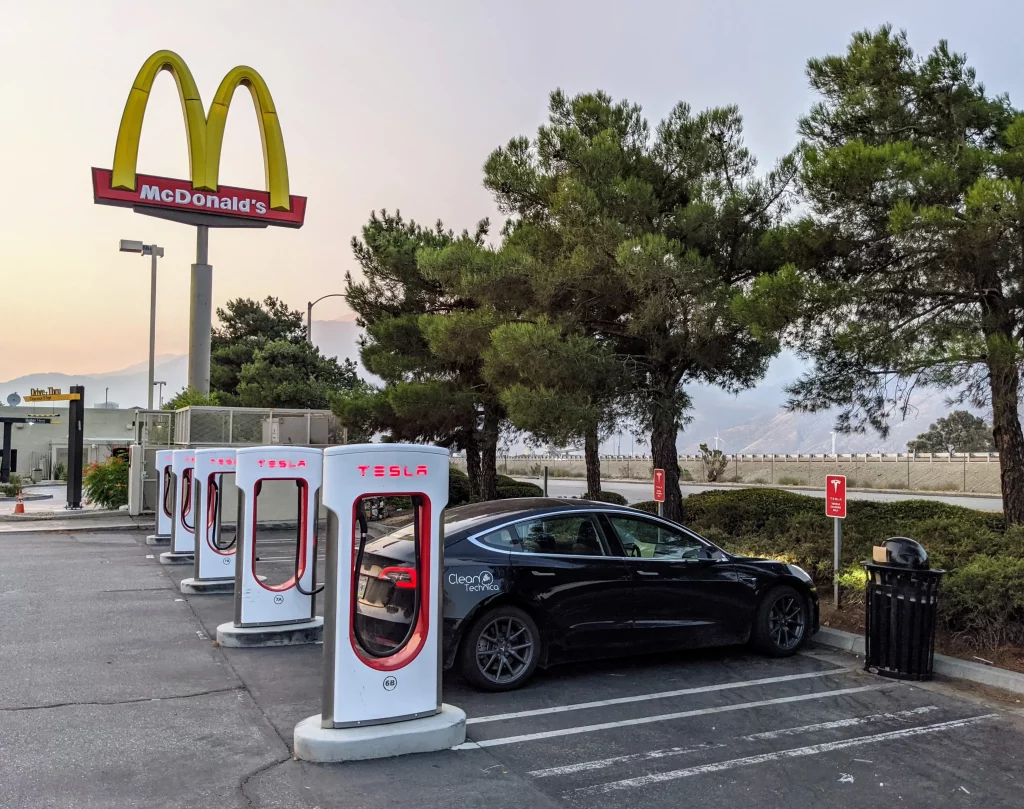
(536, 581)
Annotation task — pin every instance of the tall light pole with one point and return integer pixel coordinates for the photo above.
(309, 313)
(154, 252)
(161, 384)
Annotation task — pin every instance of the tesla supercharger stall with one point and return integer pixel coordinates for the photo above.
(215, 544)
(382, 698)
(271, 481)
(183, 463)
(164, 498)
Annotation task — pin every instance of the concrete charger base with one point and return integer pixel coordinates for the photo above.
(425, 735)
(197, 587)
(193, 586)
(156, 539)
(172, 558)
(240, 637)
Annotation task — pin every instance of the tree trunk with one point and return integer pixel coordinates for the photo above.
(591, 453)
(489, 452)
(1004, 379)
(473, 462)
(664, 429)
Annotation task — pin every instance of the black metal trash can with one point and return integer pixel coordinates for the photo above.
(902, 601)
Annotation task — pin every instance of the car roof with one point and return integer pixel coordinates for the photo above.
(477, 516)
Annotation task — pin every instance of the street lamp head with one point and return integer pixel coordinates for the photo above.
(132, 246)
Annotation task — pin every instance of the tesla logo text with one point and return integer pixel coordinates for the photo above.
(477, 583)
(282, 464)
(392, 471)
(225, 462)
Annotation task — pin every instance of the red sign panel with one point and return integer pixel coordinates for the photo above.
(659, 485)
(179, 195)
(835, 496)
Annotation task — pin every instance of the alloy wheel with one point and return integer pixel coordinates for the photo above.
(504, 650)
(786, 622)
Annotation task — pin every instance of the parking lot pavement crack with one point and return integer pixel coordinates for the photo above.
(83, 703)
(244, 783)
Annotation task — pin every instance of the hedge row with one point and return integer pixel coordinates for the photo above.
(459, 491)
(983, 593)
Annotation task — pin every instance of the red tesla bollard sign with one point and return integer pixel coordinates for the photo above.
(659, 485)
(835, 496)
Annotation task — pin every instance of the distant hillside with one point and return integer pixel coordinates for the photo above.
(753, 421)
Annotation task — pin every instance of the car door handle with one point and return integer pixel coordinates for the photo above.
(648, 573)
(541, 573)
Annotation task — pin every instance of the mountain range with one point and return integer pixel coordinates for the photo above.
(753, 421)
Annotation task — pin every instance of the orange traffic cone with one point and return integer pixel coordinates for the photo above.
(19, 505)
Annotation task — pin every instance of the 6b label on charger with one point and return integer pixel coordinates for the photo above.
(390, 683)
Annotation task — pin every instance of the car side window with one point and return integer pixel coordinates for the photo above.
(652, 540)
(504, 539)
(571, 535)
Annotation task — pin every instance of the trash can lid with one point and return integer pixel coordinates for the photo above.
(902, 552)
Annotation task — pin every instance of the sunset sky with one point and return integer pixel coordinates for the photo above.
(382, 105)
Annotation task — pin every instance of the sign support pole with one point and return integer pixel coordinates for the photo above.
(76, 441)
(5, 464)
(201, 315)
(838, 552)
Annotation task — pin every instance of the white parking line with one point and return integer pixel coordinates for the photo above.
(797, 752)
(682, 692)
(600, 764)
(840, 723)
(646, 720)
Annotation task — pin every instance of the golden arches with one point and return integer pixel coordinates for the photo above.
(205, 133)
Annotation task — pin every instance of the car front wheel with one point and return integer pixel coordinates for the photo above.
(782, 621)
(501, 650)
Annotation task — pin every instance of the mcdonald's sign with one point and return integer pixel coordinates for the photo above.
(122, 185)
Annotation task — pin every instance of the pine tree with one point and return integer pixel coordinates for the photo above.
(640, 242)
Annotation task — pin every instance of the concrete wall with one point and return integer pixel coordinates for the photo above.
(978, 474)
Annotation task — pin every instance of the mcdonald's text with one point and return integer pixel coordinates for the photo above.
(164, 192)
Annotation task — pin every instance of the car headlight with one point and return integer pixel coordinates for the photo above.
(801, 574)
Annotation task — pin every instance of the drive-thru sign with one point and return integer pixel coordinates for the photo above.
(835, 496)
(835, 506)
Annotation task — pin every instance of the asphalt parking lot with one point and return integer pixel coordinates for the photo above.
(113, 694)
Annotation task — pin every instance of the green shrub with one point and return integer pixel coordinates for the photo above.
(60, 472)
(984, 600)
(519, 490)
(789, 480)
(13, 487)
(685, 474)
(610, 497)
(459, 490)
(106, 484)
(398, 503)
(649, 506)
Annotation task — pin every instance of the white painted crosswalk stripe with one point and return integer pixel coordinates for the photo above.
(682, 692)
(645, 720)
(797, 752)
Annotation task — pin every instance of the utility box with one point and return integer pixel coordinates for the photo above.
(136, 473)
(294, 430)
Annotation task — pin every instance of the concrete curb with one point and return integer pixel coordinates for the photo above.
(952, 667)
